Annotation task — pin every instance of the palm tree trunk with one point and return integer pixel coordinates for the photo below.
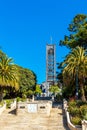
(1, 94)
(82, 93)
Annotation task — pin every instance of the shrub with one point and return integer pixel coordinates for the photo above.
(80, 103)
(78, 111)
(74, 111)
(83, 110)
(72, 103)
(76, 120)
(8, 103)
(58, 97)
(24, 96)
(18, 99)
(21, 99)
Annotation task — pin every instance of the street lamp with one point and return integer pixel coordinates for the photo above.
(76, 82)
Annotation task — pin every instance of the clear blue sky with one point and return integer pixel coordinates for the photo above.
(27, 25)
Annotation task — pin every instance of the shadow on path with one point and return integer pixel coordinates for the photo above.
(13, 112)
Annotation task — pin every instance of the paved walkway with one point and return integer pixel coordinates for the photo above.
(56, 121)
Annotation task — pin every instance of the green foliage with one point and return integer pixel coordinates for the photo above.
(13, 76)
(18, 99)
(24, 96)
(80, 103)
(74, 111)
(59, 97)
(78, 111)
(21, 99)
(76, 120)
(72, 103)
(76, 63)
(59, 75)
(8, 103)
(8, 72)
(27, 80)
(68, 91)
(29, 93)
(38, 90)
(77, 37)
(73, 108)
(54, 89)
(83, 110)
(78, 32)
(2, 54)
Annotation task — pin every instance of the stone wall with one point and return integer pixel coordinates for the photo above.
(38, 107)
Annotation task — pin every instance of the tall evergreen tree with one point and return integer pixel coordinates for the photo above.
(76, 63)
(78, 32)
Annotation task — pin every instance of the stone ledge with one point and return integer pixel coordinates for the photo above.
(2, 108)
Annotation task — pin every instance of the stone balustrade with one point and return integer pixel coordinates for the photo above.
(65, 104)
(13, 105)
(41, 107)
(2, 108)
(70, 125)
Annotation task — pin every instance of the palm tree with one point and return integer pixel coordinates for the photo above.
(8, 74)
(75, 65)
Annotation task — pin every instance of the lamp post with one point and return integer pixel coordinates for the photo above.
(76, 82)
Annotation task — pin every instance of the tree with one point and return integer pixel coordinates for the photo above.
(27, 80)
(38, 90)
(78, 32)
(54, 89)
(29, 93)
(8, 74)
(76, 64)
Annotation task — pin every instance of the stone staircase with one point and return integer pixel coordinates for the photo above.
(10, 121)
(43, 98)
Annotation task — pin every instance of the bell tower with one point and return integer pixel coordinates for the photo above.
(51, 63)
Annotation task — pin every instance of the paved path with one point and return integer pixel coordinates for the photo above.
(56, 121)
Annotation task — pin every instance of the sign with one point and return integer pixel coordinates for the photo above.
(32, 108)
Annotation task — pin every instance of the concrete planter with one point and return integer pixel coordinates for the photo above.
(84, 125)
(70, 125)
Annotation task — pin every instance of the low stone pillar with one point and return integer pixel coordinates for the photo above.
(33, 98)
(84, 125)
(64, 104)
(2, 108)
(53, 98)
